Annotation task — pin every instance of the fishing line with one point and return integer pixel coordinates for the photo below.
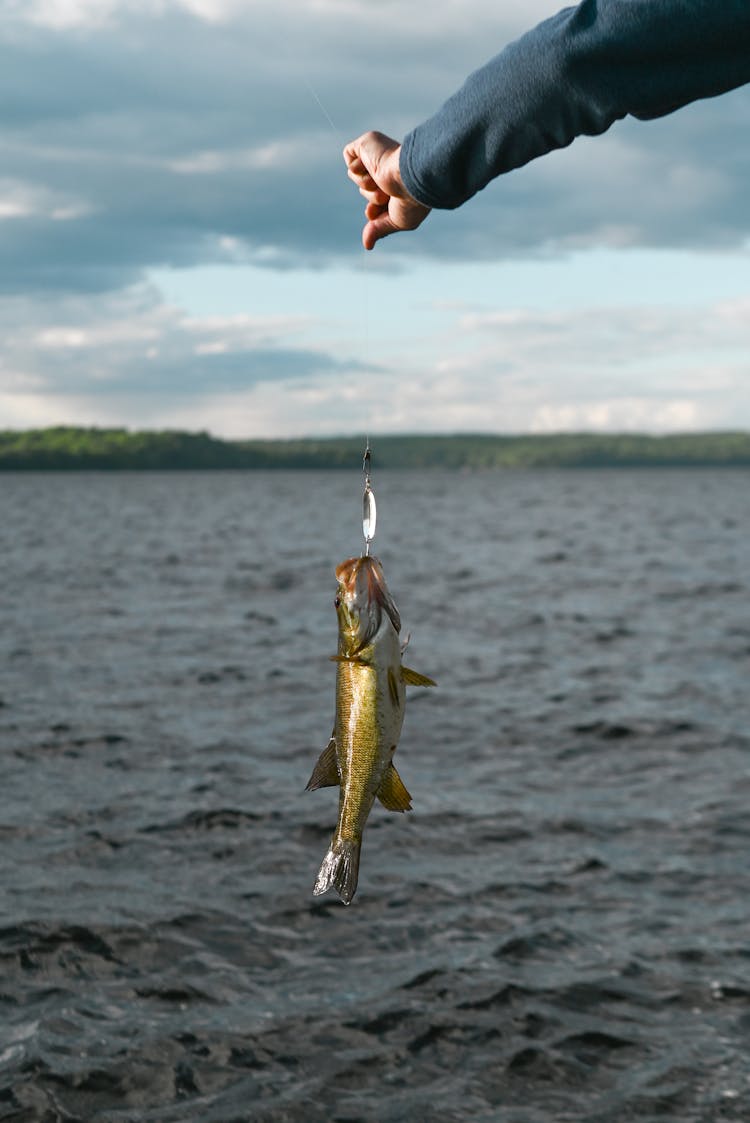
(322, 108)
(369, 515)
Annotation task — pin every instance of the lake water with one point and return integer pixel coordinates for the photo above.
(559, 931)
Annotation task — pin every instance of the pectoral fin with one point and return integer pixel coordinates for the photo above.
(413, 678)
(392, 793)
(326, 772)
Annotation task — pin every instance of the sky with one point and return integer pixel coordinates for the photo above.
(180, 245)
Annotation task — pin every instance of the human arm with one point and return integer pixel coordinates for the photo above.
(575, 74)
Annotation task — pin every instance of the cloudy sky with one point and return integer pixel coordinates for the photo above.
(180, 246)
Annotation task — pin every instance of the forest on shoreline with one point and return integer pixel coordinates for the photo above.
(66, 448)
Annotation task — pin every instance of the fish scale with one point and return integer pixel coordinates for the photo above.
(369, 716)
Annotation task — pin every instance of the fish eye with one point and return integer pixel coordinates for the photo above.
(337, 601)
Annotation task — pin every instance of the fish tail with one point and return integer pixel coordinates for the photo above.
(340, 869)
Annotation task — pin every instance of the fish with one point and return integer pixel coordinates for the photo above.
(370, 701)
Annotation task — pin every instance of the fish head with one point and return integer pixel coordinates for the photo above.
(362, 598)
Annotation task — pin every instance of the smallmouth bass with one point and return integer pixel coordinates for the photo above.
(370, 700)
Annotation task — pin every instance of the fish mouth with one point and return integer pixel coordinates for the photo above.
(363, 587)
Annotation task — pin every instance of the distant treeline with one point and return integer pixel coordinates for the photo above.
(65, 448)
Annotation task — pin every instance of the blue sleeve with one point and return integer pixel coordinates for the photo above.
(574, 75)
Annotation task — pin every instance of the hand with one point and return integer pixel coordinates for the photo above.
(372, 164)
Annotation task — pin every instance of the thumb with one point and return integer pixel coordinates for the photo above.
(378, 228)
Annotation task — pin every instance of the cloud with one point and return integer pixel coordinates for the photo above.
(128, 354)
(628, 368)
(139, 134)
(129, 358)
(142, 134)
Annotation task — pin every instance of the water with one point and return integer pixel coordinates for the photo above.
(558, 931)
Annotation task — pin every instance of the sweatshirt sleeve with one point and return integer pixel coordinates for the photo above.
(573, 75)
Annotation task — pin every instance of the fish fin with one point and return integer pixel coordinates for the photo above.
(392, 792)
(340, 869)
(393, 687)
(326, 771)
(413, 678)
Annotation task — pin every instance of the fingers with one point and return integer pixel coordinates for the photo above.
(375, 208)
(377, 197)
(368, 187)
(357, 171)
(370, 161)
(372, 164)
(362, 179)
(351, 151)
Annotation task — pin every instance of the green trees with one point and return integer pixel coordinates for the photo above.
(67, 447)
